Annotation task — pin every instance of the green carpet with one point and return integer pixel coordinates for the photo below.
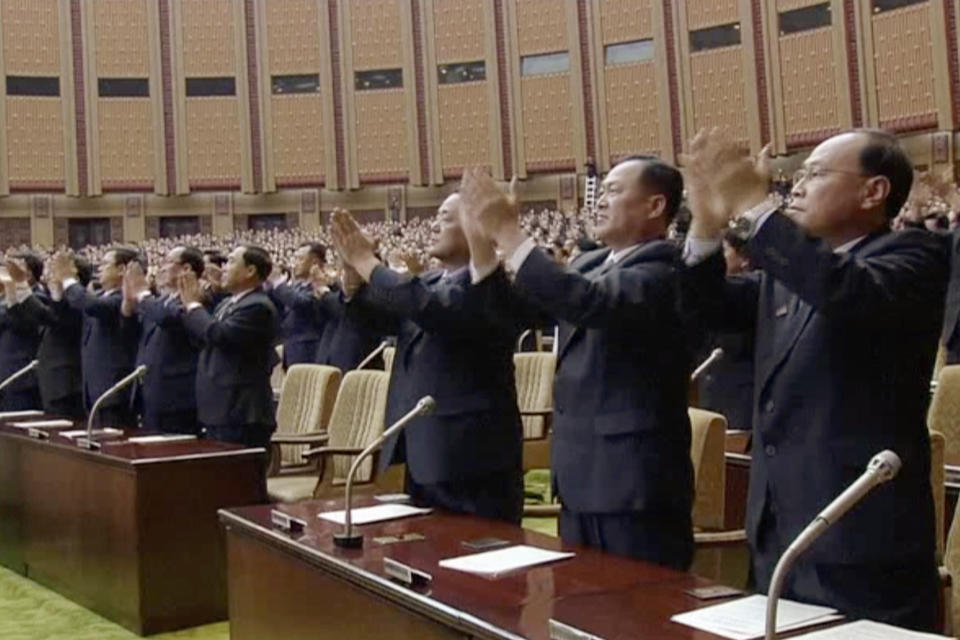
(31, 612)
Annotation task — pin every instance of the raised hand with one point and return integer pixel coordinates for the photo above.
(354, 247)
(320, 279)
(134, 281)
(721, 181)
(17, 270)
(189, 287)
(494, 211)
(62, 267)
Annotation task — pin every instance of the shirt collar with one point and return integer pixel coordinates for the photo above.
(616, 256)
(845, 248)
(238, 296)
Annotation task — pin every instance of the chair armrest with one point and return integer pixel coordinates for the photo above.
(541, 510)
(946, 580)
(332, 451)
(547, 415)
(720, 538)
(537, 412)
(314, 437)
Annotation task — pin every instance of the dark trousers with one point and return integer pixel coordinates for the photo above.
(904, 592)
(250, 435)
(116, 417)
(20, 399)
(67, 407)
(498, 496)
(184, 421)
(661, 538)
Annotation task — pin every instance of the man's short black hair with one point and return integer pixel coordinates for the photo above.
(317, 250)
(192, 257)
(256, 256)
(122, 256)
(84, 270)
(214, 257)
(34, 264)
(882, 155)
(662, 178)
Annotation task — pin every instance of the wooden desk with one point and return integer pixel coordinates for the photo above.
(129, 532)
(285, 587)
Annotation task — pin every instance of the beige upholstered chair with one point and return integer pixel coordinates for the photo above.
(944, 414)
(306, 402)
(938, 364)
(950, 575)
(707, 451)
(357, 420)
(388, 355)
(534, 374)
(277, 375)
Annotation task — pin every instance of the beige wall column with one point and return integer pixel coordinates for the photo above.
(352, 177)
(41, 221)
(221, 210)
(68, 99)
(326, 97)
(160, 186)
(495, 123)
(179, 100)
(4, 169)
(134, 219)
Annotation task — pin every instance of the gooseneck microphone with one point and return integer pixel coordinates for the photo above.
(19, 374)
(348, 538)
(373, 354)
(881, 468)
(712, 359)
(136, 374)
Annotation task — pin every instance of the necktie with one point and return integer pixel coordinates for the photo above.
(225, 308)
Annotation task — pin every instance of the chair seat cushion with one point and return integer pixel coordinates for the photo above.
(291, 488)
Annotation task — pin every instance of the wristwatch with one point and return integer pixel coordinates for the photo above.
(745, 225)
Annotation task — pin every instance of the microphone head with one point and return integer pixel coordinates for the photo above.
(717, 353)
(142, 369)
(426, 405)
(885, 465)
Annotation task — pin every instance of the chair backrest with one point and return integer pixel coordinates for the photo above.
(277, 375)
(306, 402)
(944, 413)
(707, 451)
(939, 362)
(951, 562)
(388, 354)
(938, 485)
(358, 418)
(534, 374)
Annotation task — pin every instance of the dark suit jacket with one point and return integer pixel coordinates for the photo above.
(236, 360)
(347, 338)
(302, 322)
(950, 336)
(845, 345)
(447, 349)
(727, 386)
(621, 434)
(19, 340)
(171, 358)
(61, 327)
(109, 344)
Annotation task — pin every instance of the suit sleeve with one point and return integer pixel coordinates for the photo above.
(626, 295)
(248, 323)
(39, 311)
(105, 308)
(454, 309)
(711, 301)
(885, 288)
(293, 298)
(18, 319)
(161, 314)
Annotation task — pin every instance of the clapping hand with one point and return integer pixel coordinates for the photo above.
(62, 267)
(134, 281)
(721, 181)
(354, 247)
(189, 287)
(17, 270)
(488, 210)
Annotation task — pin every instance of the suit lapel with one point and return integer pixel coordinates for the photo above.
(432, 280)
(592, 268)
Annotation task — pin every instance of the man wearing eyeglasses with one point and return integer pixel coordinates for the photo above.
(846, 316)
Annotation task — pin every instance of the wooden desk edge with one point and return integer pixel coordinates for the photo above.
(374, 583)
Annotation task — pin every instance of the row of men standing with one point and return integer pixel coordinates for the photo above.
(224, 328)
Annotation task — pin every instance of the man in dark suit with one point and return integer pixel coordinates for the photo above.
(950, 336)
(109, 340)
(466, 455)
(621, 438)
(347, 340)
(59, 373)
(234, 398)
(302, 324)
(19, 338)
(167, 396)
(846, 316)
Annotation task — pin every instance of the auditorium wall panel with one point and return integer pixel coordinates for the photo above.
(377, 35)
(298, 140)
(904, 68)
(213, 139)
(293, 36)
(632, 106)
(31, 37)
(541, 26)
(458, 30)
(464, 132)
(808, 80)
(121, 38)
(126, 143)
(717, 88)
(708, 13)
(35, 142)
(14, 232)
(548, 126)
(382, 151)
(625, 20)
(208, 40)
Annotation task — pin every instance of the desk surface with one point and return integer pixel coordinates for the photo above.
(610, 596)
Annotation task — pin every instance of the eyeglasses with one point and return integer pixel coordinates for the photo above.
(812, 173)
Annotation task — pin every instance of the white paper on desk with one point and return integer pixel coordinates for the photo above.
(382, 512)
(499, 561)
(869, 630)
(76, 433)
(161, 438)
(29, 413)
(42, 424)
(744, 619)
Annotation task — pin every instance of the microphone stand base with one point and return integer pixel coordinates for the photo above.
(89, 444)
(348, 541)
